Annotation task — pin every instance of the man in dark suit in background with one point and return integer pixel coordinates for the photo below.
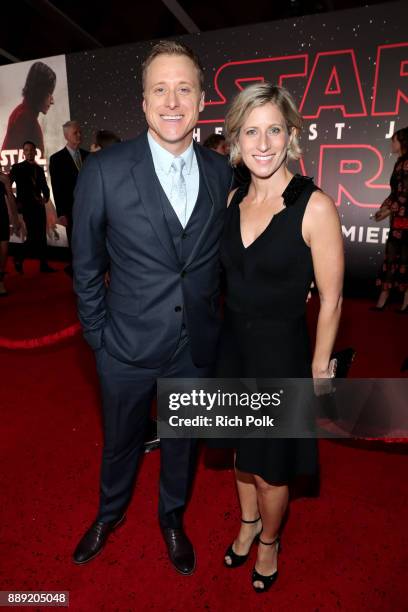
(32, 193)
(64, 169)
(152, 209)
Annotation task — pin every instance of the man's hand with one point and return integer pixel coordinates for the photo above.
(107, 279)
(19, 227)
(52, 232)
(62, 221)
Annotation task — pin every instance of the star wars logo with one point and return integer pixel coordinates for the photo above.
(350, 171)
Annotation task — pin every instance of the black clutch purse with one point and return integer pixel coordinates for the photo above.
(339, 367)
(340, 362)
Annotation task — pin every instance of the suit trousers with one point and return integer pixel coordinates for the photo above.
(127, 393)
(35, 245)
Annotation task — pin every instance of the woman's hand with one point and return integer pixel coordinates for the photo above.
(382, 213)
(322, 377)
(325, 372)
(321, 372)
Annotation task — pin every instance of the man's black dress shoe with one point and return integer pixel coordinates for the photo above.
(180, 550)
(94, 540)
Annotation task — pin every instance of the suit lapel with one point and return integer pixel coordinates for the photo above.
(69, 157)
(144, 175)
(209, 177)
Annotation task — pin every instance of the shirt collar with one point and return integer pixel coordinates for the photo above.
(163, 159)
(72, 151)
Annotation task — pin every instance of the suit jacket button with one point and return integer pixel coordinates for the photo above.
(183, 273)
(184, 235)
(177, 309)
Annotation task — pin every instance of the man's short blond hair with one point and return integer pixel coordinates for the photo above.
(71, 123)
(173, 47)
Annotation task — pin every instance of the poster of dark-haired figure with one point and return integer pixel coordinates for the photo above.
(34, 105)
(37, 98)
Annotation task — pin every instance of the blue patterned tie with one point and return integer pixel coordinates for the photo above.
(78, 159)
(178, 196)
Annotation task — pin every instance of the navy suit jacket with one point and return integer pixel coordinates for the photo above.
(119, 223)
(31, 185)
(64, 175)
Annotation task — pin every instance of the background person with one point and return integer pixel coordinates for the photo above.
(103, 139)
(32, 194)
(64, 168)
(394, 270)
(217, 143)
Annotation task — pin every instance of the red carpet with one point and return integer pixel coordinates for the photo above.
(345, 550)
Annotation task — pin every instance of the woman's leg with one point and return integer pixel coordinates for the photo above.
(249, 512)
(272, 503)
(382, 298)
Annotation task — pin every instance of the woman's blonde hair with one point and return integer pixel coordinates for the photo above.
(257, 95)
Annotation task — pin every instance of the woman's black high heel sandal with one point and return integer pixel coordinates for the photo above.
(237, 560)
(267, 581)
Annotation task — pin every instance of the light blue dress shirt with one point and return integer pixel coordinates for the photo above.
(162, 160)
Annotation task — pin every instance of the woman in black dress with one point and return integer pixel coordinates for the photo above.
(281, 232)
(394, 270)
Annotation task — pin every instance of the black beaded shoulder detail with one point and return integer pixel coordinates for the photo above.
(296, 186)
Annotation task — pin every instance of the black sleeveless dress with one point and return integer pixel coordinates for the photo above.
(4, 217)
(264, 333)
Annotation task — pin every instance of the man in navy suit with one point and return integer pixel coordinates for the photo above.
(152, 210)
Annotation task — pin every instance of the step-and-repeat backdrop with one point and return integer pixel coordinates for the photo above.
(348, 72)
